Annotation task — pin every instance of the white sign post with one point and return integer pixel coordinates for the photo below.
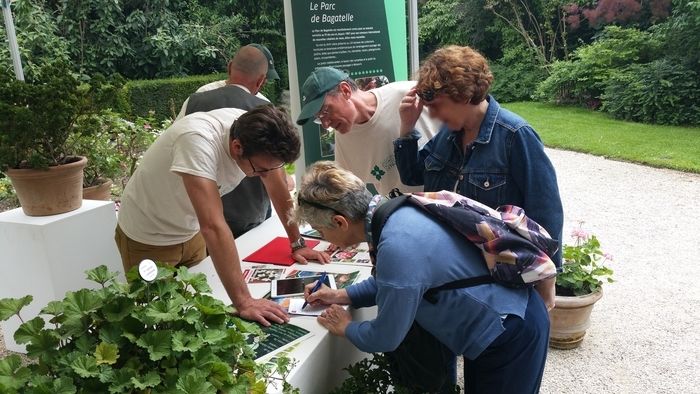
(12, 39)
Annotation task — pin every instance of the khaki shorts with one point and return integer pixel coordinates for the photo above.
(188, 253)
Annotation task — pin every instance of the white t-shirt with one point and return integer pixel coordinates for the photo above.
(367, 150)
(212, 86)
(155, 208)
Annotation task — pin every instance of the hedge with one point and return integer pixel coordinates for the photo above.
(165, 96)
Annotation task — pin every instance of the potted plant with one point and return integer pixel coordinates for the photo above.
(36, 119)
(112, 146)
(166, 336)
(578, 288)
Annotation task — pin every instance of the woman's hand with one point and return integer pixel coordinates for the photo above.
(335, 319)
(409, 112)
(325, 295)
(547, 291)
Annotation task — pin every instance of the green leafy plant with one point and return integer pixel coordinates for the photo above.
(167, 336)
(583, 268)
(8, 197)
(112, 144)
(38, 117)
(372, 376)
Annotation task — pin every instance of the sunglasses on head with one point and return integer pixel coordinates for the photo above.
(317, 205)
(429, 94)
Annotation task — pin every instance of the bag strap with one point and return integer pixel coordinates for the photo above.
(431, 294)
(381, 215)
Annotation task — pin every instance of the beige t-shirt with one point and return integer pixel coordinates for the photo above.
(155, 208)
(367, 150)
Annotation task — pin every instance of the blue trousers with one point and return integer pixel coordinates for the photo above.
(514, 362)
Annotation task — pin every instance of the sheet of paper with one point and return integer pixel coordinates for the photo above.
(295, 308)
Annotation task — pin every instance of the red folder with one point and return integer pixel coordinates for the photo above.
(277, 252)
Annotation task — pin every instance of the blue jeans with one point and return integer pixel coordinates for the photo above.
(514, 362)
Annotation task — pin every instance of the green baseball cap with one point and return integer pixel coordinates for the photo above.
(320, 82)
(271, 72)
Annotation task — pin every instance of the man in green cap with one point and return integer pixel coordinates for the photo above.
(365, 122)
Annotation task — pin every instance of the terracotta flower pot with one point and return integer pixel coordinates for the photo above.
(570, 319)
(49, 192)
(98, 192)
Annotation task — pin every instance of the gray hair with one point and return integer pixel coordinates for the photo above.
(328, 190)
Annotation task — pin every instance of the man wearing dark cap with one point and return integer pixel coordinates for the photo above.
(248, 205)
(366, 123)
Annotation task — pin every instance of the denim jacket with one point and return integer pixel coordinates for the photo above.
(506, 165)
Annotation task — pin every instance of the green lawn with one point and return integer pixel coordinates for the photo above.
(587, 131)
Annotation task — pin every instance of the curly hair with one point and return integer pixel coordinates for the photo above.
(329, 190)
(461, 73)
(267, 130)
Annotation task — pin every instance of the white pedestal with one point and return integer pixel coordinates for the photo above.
(47, 256)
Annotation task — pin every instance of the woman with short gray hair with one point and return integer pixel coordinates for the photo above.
(502, 332)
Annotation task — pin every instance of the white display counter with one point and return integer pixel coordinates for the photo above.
(46, 256)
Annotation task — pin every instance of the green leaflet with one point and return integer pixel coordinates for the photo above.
(106, 353)
(157, 343)
(12, 306)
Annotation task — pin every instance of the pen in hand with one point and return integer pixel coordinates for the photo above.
(317, 286)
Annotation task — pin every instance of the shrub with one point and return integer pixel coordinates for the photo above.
(112, 145)
(163, 98)
(583, 79)
(516, 75)
(37, 118)
(662, 92)
(168, 336)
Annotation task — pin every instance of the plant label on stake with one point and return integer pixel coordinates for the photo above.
(148, 270)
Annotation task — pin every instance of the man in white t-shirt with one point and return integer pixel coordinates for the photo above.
(171, 208)
(366, 123)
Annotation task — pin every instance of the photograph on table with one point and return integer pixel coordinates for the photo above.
(262, 274)
(358, 255)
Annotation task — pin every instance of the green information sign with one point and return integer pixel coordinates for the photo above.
(366, 38)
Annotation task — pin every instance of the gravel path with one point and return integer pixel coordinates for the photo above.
(645, 334)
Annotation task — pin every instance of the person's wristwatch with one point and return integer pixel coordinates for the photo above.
(298, 244)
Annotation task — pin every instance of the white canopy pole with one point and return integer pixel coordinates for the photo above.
(12, 38)
(413, 36)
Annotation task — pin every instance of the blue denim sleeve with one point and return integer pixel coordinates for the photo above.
(535, 176)
(409, 160)
(363, 294)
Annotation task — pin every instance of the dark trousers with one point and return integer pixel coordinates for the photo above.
(514, 362)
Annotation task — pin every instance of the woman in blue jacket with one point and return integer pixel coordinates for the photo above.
(501, 332)
(483, 151)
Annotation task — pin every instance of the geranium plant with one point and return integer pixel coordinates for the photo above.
(167, 336)
(583, 268)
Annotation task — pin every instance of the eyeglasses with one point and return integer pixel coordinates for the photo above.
(429, 94)
(322, 114)
(263, 170)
